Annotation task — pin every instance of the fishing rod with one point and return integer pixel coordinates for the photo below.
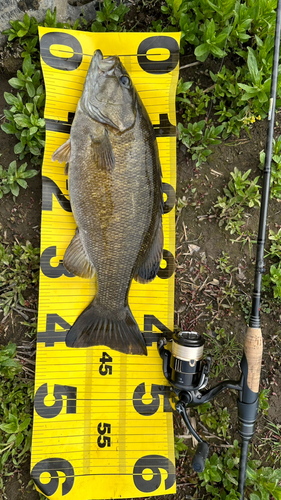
(183, 363)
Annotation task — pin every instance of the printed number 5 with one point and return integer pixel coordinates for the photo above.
(104, 440)
(105, 369)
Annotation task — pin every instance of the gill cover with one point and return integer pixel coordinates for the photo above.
(109, 96)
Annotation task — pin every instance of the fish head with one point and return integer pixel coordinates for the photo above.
(109, 96)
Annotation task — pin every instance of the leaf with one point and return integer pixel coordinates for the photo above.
(22, 183)
(10, 98)
(253, 66)
(12, 167)
(27, 66)
(202, 50)
(30, 173)
(22, 120)
(25, 424)
(15, 189)
(16, 83)
(22, 32)
(19, 147)
(30, 89)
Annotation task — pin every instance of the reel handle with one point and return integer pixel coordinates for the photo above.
(199, 459)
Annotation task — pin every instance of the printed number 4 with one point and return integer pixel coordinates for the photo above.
(105, 369)
(104, 440)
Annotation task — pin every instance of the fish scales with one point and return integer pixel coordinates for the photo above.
(115, 191)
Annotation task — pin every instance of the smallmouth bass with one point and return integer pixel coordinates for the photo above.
(115, 191)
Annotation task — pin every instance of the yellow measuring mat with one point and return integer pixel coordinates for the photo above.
(103, 423)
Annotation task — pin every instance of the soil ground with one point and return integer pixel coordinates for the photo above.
(201, 301)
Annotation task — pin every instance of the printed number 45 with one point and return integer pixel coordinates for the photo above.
(105, 369)
(102, 439)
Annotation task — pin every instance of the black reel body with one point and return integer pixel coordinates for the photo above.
(187, 371)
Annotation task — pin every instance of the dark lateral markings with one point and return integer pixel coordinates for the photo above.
(162, 129)
(50, 189)
(51, 336)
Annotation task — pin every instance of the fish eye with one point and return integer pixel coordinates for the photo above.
(125, 80)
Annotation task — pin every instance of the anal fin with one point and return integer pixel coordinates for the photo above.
(75, 259)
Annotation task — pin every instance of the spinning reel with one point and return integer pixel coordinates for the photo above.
(187, 371)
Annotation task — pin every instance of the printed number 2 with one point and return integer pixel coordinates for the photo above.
(105, 369)
(104, 440)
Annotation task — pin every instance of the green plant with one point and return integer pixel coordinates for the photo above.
(273, 441)
(275, 247)
(25, 114)
(28, 27)
(16, 395)
(12, 179)
(215, 418)
(224, 265)
(193, 103)
(224, 349)
(240, 193)
(110, 17)
(275, 278)
(19, 270)
(213, 41)
(179, 446)
(220, 477)
(275, 178)
(263, 401)
(197, 142)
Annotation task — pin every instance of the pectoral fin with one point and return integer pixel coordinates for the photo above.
(150, 267)
(75, 259)
(103, 152)
(63, 153)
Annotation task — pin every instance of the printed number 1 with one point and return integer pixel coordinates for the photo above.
(105, 369)
(104, 440)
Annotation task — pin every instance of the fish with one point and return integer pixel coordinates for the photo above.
(116, 196)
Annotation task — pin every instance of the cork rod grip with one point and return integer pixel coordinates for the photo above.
(253, 351)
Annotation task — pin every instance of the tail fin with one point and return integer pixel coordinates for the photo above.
(115, 329)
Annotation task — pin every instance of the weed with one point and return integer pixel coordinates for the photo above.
(12, 179)
(215, 418)
(224, 265)
(275, 178)
(19, 271)
(263, 401)
(16, 395)
(275, 278)
(240, 193)
(179, 446)
(25, 114)
(194, 102)
(220, 477)
(273, 440)
(224, 349)
(110, 17)
(275, 247)
(197, 141)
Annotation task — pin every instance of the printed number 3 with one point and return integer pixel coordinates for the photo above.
(104, 441)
